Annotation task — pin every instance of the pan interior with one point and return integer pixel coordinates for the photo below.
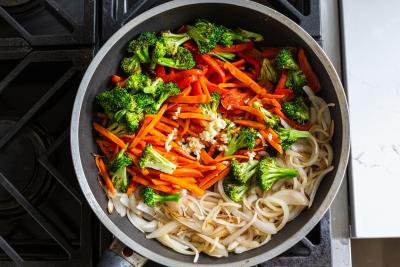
(275, 34)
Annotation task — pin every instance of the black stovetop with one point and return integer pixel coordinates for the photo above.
(45, 47)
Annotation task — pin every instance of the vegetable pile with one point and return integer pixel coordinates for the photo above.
(201, 105)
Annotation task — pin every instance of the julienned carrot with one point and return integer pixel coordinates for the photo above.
(159, 182)
(183, 171)
(220, 159)
(103, 148)
(163, 127)
(239, 62)
(149, 127)
(185, 108)
(214, 66)
(185, 127)
(251, 110)
(269, 138)
(163, 188)
(205, 88)
(169, 122)
(273, 133)
(131, 187)
(231, 85)
(200, 167)
(251, 124)
(190, 115)
(141, 180)
(206, 158)
(198, 99)
(175, 180)
(206, 179)
(104, 173)
(234, 48)
(109, 135)
(190, 180)
(220, 176)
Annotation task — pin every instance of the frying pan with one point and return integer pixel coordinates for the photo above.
(277, 30)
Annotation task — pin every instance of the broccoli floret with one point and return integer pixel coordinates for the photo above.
(268, 72)
(246, 138)
(151, 198)
(153, 88)
(242, 172)
(131, 65)
(297, 110)
(269, 172)
(172, 41)
(121, 107)
(141, 46)
(118, 128)
(165, 90)
(205, 34)
(182, 59)
(235, 192)
(227, 36)
(270, 119)
(225, 56)
(288, 136)
(250, 36)
(118, 166)
(143, 100)
(211, 108)
(136, 82)
(285, 60)
(152, 159)
(296, 80)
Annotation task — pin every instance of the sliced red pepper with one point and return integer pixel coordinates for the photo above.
(190, 45)
(270, 52)
(306, 68)
(234, 48)
(183, 83)
(116, 78)
(182, 74)
(282, 80)
(283, 91)
(196, 89)
(121, 83)
(160, 71)
(252, 61)
(215, 67)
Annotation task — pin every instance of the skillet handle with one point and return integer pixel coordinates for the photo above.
(119, 255)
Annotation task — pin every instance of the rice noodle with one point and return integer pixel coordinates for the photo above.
(216, 225)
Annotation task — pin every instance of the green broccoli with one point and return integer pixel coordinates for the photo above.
(250, 36)
(121, 107)
(143, 100)
(270, 119)
(242, 172)
(297, 110)
(154, 88)
(268, 72)
(296, 80)
(140, 46)
(246, 138)
(171, 41)
(136, 82)
(206, 35)
(152, 159)
(131, 65)
(225, 56)
(227, 36)
(118, 166)
(285, 60)
(182, 59)
(118, 128)
(211, 108)
(269, 173)
(165, 90)
(235, 192)
(151, 198)
(288, 136)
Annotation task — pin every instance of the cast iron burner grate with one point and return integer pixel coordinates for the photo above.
(116, 13)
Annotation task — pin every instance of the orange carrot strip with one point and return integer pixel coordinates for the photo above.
(104, 173)
(186, 127)
(131, 187)
(269, 139)
(159, 182)
(175, 180)
(141, 180)
(207, 159)
(205, 88)
(149, 127)
(181, 172)
(163, 188)
(212, 148)
(251, 110)
(251, 124)
(239, 62)
(219, 159)
(109, 135)
(273, 133)
(231, 85)
(189, 115)
(200, 167)
(103, 148)
(198, 99)
(163, 127)
(215, 179)
(210, 176)
(170, 122)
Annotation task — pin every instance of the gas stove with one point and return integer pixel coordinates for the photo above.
(45, 47)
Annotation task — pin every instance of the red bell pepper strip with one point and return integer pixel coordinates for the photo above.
(116, 78)
(196, 88)
(160, 71)
(252, 61)
(297, 126)
(306, 68)
(234, 48)
(270, 52)
(190, 45)
(182, 74)
(183, 83)
(282, 81)
(215, 67)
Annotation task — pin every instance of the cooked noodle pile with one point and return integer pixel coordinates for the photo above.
(215, 225)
